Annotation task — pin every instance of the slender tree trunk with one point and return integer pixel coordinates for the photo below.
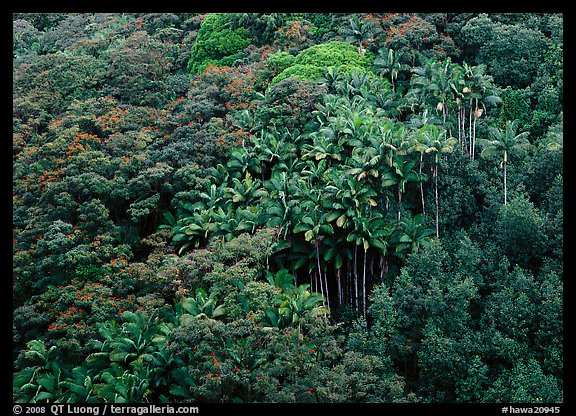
(421, 187)
(444, 116)
(399, 202)
(474, 138)
(319, 269)
(356, 277)
(349, 286)
(474, 131)
(338, 280)
(470, 130)
(383, 266)
(364, 285)
(463, 121)
(504, 166)
(460, 128)
(436, 194)
(326, 286)
(313, 281)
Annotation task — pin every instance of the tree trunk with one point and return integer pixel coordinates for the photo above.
(436, 194)
(463, 132)
(399, 202)
(312, 282)
(474, 138)
(504, 166)
(383, 266)
(349, 286)
(339, 282)
(356, 277)
(421, 187)
(460, 130)
(364, 284)
(470, 130)
(326, 286)
(476, 112)
(319, 269)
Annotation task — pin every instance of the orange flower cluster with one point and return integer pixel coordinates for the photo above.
(47, 177)
(82, 142)
(240, 90)
(267, 51)
(112, 120)
(237, 137)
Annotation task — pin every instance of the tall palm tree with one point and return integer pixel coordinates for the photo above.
(505, 142)
(389, 63)
(419, 96)
(410, 234)
(358, 32)
(324, 146)
(370, 230)
(436, 141)
(313, 223)
(444, 78)
(401, 173)
(279, 205)
(421, 145)
(481, 93)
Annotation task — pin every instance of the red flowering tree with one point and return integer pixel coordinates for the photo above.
(416, 37)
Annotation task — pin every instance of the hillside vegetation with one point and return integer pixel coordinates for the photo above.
(288, 207)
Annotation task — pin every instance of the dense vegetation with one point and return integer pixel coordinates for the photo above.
(287, 207)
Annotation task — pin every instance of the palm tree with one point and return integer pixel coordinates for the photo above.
(337, 252)
(411, 234)
(420, 92)
(295, 302)
(436, 141)
(421, 146)
(349, 203)
(481, 93)
(313, 224)
(388, 63)
(359, 32)
(278, 205)
(203, 306)
(442, 86)
(505, 142)
(331, 75)
(401, 173)
(324, 146)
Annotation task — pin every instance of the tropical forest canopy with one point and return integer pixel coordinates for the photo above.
(287, 207)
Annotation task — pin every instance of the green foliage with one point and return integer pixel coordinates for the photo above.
(201, 307)
(519, 232)
(301, 71)
(334, 53)
(287, 207)
(279, 61)
(513, 54)
(525, 383)
(292, 303)
(515, 106)
(311, 62)
(40, 381)
(417, 39)
(216, 43)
